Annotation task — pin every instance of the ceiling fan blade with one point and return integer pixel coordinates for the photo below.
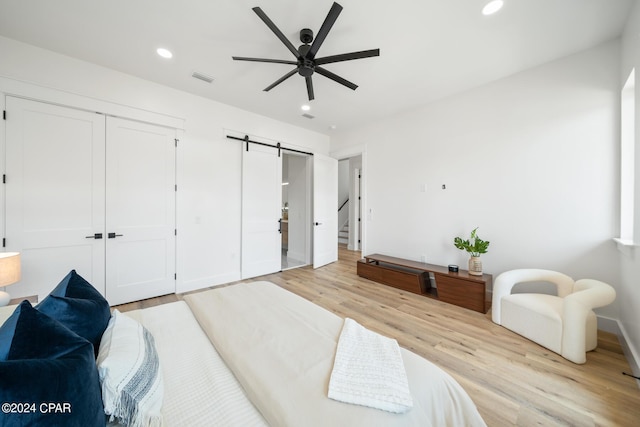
(275, 61)
(281, 79)
(336, 78)
(324, 30)
(348, 56)
(276, 31)
(309, 88)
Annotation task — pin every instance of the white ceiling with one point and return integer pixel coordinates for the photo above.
(429, 49)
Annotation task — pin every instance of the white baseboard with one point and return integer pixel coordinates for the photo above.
(608, 325)
(631, 354)
(300, 256)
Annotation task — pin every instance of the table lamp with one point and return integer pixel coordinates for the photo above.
(9, 273)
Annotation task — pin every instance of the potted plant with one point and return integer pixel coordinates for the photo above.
(474, 246)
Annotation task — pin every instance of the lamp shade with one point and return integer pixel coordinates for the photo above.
(9, 268)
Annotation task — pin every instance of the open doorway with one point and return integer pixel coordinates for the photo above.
(350, 209)
(296, 211)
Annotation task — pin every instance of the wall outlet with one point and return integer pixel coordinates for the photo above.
(423, 259)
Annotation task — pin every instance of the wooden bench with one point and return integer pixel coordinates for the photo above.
(460, 288)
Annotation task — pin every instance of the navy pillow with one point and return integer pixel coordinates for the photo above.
(48, 374)
(78, 306)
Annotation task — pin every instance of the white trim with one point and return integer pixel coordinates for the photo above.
(631, 353)
(63, 98)
(626, 246)
(608, 324)
(345, 153)
(354, 235)
(625, 242)
(354, 151)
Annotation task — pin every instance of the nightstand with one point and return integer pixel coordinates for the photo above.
(33, 299)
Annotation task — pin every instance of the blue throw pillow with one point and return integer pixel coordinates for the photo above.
(48, 374)
(78, 306)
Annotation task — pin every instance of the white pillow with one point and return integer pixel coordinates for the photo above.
(129, 369)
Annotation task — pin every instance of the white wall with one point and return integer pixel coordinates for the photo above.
(208, 164)
(629, 258)
(531, 159)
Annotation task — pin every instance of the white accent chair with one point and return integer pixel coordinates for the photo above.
(565, 324)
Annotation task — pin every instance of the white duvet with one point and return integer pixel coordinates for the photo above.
(281, 348)
(200, 391)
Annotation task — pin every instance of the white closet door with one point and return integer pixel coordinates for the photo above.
(261, 211)
(325, 210)
(140, 196)
(54, 194)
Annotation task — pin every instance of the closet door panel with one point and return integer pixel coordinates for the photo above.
(140, 210)
(54, 193)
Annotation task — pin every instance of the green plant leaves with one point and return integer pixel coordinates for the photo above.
(476, 248)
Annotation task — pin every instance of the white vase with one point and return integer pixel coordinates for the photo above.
(475, 266)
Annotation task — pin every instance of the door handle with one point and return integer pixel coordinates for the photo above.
(280, 226)
(318, 223)
(113, 235)
(95, 236)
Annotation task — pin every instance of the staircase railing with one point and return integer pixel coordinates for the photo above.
(342, 205)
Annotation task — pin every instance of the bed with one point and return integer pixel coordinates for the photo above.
(254, 354)
(281, 348)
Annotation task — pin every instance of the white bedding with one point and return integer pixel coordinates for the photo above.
(199, 388)
(368, 370)
(281, 348)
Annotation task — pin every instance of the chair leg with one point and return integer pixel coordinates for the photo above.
(591, 332)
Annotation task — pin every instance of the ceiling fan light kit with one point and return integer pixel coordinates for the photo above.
(306, 62)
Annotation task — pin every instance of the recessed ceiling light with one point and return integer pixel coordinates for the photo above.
(165, 53)
(492, 7)
(305, 107)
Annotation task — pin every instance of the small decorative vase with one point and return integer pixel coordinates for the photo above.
(475, 266)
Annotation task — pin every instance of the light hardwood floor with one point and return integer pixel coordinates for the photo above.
(511, 380)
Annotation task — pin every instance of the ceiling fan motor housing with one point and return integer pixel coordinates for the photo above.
(306, 67)
(306, 35)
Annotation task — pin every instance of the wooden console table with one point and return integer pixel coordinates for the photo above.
(461, 288)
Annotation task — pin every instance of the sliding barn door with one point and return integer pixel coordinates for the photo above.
(261, 211)
(325, 210)
(140, 207)
(55, 181)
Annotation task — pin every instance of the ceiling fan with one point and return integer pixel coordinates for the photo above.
(306, 62)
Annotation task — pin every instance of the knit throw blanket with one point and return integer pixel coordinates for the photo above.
(368, 370)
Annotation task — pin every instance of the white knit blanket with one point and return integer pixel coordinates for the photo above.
(368, 370)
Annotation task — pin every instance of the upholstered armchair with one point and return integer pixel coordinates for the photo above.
(564, 323)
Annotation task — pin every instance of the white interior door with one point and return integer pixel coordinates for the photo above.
(261, 211)
(325, 210)
(140, 206)
(55, 180)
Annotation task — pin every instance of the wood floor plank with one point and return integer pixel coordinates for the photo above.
(512, 380)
